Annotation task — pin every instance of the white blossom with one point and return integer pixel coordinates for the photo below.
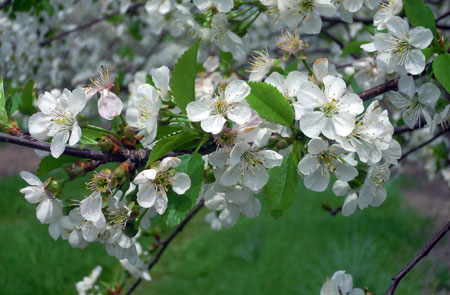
(49, 207)
(153, 184)
(331, 112)
(320, 161)
(213, 112)
(58, 119)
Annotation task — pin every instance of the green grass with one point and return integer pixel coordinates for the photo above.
(291, 255)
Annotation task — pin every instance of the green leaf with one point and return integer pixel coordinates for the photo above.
(353, 47)
(170, 143)
(419, 14)
(293, 66)
(135, 30)
(179, 206)
(49, 163)
(441, 69)
(281, 188)
(26, 106)
(183, 77)
(270, 104)
(428, 52)
(4, 119)
(91, 137)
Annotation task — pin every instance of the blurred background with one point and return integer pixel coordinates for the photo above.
(291, 255)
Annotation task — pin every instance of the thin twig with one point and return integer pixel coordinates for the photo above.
(443, 16)
(332, 211)
(131, 10)
(422, 145)
(166, 243)
(424, 252)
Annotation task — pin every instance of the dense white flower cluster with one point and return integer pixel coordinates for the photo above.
(307, 122)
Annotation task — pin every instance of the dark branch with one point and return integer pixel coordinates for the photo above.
(422, 145)
(5, 3)
(136, 156)
(380, 89)
(28, 141)
(332, 211)
(424, 252)
(166, 243)
(443, 16)
(131, 10)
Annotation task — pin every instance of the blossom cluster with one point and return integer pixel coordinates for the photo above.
(247, 128)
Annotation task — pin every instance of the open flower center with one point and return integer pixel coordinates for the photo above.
(330, 108)
(101, 182)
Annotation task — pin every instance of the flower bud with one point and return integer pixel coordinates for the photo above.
(106, 144)
(54, 186)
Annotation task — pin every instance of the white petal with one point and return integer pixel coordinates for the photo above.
(251, 208)
(198, 111)
(31, 179)
(406, 85)
(46, 102)
(420, 37)
(38, 125)
(240, 114)
(109, 105)
(350, 204)
(224, 5)
(257, 178)
(310, 123)
(213, 124)
(238, 150)
(344, 123)
(76, 134)
(91, 207)
(334, 87)
(318, 181)
(236, 91)
(180, 183)
(415, 63)
(345, 172)
(310, 95)
(146, 195)
(76, 101)
(317, 146)
(58, 144)
(161, 78)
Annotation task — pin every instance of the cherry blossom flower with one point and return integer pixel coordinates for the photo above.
(49, 207)
(153, 184)
(214, 112)
(340, 283)
(143, 111)
(58, 119)
(413, 102)
(221, 5)
(109, 104)
(330, 112)
(320, 161)
(250, 165)
(306, 12)
(399, 50)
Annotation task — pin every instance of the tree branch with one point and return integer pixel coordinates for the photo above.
(332, 211)
(5, 3)
(422, 145)
(424, 252)
(131, 10)
(166, 243)
(443, 16)
(137, 156)
(380, 89)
